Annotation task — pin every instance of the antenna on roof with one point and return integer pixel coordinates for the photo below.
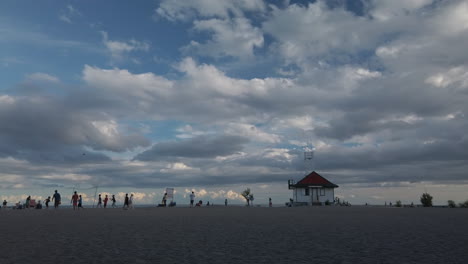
(309, 150)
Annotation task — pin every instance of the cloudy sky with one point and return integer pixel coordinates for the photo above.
(218, 95)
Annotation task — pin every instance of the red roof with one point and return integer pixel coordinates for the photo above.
(314, 179)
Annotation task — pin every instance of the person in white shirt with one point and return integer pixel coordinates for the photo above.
(130, 202)
(192, 197)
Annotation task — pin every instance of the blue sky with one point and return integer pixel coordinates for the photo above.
(218, 96)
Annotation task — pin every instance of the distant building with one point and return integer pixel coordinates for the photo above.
(313, 189)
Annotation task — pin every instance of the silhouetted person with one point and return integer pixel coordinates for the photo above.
(74, 200)
(105, 201)
(164, 199)
(28, 200)
(47, 201)
(113, 201)
(80, 202)
(99, 204)
(56, 198)
(125, 206)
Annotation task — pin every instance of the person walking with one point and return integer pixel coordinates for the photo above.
(74, 200)
(56, 198)
(99, 204)
(192, 198)
(225, 202)
(269, 202)
(125, 206)
(113, 201)
(105, 201)
(130, 202)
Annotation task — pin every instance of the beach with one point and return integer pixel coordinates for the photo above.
(233, 234)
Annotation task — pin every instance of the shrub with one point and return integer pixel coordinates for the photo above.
(464, 205)
(398, 203)
(426, 200)
(451, 204)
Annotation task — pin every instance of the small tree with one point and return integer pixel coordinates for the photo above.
(246, 194)
(398, 203)
(426, 200)
(464, 205)
(451, 204)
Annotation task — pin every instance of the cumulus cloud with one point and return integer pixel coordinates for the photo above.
(185, 10)
(235, 38)
(381, 95)
(214, 194)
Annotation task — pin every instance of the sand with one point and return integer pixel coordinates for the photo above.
(235, 235)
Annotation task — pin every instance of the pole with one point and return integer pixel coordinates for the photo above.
(95, 193)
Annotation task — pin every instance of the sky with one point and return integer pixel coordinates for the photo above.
(216, 96)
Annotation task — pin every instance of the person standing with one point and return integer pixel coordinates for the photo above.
(192, 198)
(28, 200)
(113, 201)
(80, 202)
(56, 198)
(126, 201)
(74, 200)
(105, 201)
(225, 202)
(164, 200)
(99, 204)
(269, 202)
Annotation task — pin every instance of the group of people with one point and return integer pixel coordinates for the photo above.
(106, 200)
(76, 201)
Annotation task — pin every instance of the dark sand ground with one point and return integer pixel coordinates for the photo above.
(235, 235)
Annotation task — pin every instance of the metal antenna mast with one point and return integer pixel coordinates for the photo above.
(308, 153)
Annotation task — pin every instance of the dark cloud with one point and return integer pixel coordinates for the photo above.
(198, 147)
(40, 128)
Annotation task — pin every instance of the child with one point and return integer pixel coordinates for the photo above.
(105, 201)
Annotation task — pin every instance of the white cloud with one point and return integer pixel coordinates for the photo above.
(215, 194)
(187, 9)
(144, 86)
(385, 10)
(455, 76)
(236, 38)
(177, 167)
(188, 131)
(42, 77)
(315, 30)
(251, 132)
(69, 13)
(118, 49)
(65, 18)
